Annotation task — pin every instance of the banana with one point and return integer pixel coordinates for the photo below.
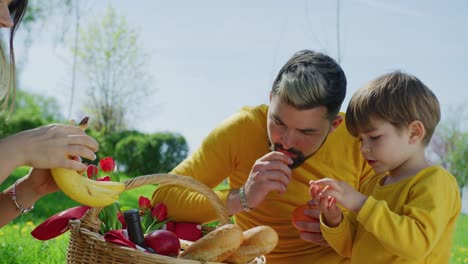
(86, 191)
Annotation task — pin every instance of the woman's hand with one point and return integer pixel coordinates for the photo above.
(52, 146)
(41, 182)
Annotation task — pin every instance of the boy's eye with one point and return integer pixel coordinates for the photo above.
(374, 138)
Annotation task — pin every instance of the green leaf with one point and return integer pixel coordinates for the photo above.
(157, 225)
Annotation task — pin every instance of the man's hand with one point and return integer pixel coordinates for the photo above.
(310, 230)
(269, 173)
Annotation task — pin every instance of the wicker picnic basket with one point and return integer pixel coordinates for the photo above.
(88, 246)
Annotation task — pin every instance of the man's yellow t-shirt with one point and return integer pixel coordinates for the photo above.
(230, 151)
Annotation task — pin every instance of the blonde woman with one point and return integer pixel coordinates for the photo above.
(40, 148)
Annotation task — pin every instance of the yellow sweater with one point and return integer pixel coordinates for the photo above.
(230, 151)
(411, 221)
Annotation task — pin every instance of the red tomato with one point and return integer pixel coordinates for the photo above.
(298, 215)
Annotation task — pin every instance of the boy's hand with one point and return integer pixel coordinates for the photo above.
(344, 193)
(331, 213)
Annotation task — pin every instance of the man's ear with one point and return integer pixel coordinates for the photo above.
(336, 122)
(417, 131)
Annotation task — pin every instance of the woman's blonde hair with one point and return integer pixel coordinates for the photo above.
(17, 9)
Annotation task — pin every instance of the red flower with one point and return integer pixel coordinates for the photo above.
(121, 220)
(144, 203)
(107, 164)
(105, 178)
(92, 171)
(159, 212)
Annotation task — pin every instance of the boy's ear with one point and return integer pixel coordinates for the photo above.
(336, 122)
(417, 131)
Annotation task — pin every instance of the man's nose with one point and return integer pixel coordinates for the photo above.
(287, 139)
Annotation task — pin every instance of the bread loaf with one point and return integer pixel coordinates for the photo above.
(257, 241)
(216, 246)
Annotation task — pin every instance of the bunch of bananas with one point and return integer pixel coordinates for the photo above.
(87, 191)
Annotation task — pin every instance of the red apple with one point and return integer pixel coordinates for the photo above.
(163, 242)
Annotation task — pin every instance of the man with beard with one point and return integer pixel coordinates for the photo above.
(269, 153)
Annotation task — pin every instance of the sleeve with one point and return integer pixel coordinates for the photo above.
(341, 237)
(366, 173)
(210, 164)
(414, 233)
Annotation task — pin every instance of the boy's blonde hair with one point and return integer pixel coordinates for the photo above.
(397, 98)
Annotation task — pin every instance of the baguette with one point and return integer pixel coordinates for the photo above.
(258, 241)
(184, 244)
(216, 246)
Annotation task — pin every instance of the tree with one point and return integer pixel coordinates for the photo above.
(458, 160)
(109, 55)
(449, 146)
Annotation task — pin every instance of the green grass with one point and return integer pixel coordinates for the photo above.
(460, 245)
(18, 246)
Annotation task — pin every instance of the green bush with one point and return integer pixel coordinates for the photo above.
(146, 154)
(31, 111)
(19, 123)
(108, 143)
(127, 153)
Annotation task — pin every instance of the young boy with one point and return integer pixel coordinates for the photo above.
(408, 213)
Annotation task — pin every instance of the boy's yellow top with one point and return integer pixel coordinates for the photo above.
(230, 151)
(411, 221)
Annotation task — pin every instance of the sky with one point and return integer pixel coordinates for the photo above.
(210, 58)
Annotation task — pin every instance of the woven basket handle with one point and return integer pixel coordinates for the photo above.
(90, 219)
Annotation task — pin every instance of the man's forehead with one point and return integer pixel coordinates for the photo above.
(301, 119)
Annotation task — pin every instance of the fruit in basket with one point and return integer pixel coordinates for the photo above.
(87, 191)
(258, 241)
(163, 242)
(217, 245)
(299, 215)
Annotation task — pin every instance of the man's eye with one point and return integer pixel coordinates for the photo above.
(374, 138)
(309, 133)
(277, 122)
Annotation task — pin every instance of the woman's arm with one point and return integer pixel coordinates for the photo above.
(46, 147)
(28, 189)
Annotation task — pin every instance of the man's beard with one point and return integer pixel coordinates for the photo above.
(297, 156)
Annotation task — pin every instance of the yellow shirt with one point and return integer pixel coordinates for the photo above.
(230, 151)
(411, 221)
